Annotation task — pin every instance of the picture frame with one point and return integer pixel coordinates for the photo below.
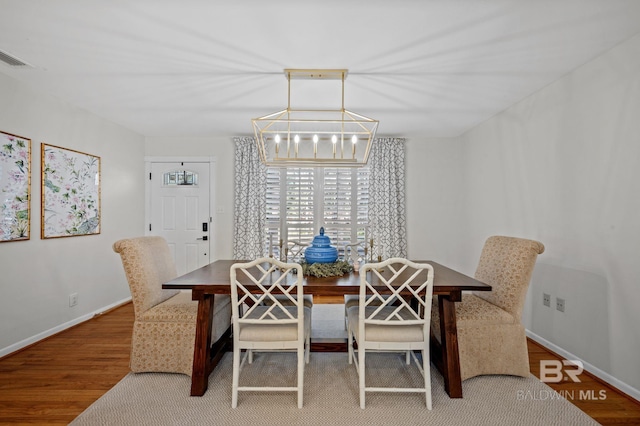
(15, 187)
(70, 191)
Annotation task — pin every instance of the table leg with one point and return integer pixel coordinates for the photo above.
(449, 343)
(201, 356)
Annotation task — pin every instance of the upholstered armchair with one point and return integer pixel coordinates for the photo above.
(491, 337)
(165, 320)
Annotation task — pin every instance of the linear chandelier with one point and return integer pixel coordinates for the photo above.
(307, 138)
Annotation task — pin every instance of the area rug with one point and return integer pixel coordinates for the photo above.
(330, 397)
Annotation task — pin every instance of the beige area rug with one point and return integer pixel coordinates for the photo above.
(330, 398)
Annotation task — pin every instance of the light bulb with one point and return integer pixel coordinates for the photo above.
(296, 139)
(354, 139)
(334, 139)
(277, 138)
(315, 146)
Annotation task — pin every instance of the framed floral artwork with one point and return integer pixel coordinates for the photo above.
(70, 192)
(15, 187)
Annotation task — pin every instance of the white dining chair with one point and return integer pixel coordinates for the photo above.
(294, 251)
(387, 320)
(352, 253)
(272, 326)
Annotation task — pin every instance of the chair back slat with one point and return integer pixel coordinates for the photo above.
(254, 286)
(352, 251)
(295, 250)
(409, 281)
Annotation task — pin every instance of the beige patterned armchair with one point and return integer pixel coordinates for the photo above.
(491, 336)
(165, 320)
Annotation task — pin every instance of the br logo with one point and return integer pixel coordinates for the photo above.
(554, 371)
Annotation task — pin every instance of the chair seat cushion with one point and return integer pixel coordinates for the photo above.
(350, 300)
(385, 333)
(472, 311)
(180, 308)
(273, 332)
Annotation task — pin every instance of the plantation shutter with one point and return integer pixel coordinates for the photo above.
(272, 234)
(299, 206)
(338, 201)
(301, 200)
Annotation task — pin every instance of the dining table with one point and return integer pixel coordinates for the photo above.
(214, 279)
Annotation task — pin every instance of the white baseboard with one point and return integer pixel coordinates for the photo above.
(602, 375)
(34, 339)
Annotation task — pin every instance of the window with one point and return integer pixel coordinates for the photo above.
(180, 177)
(301, 200)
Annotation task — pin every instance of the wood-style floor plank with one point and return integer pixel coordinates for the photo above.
(53, 381)
(602, 402)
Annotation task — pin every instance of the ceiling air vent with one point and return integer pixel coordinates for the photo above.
(12, 60)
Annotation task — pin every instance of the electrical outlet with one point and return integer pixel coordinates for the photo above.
(546, 299)
(73, 299)
(560, 304)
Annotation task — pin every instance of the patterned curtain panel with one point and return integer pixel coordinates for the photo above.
(250, 200)
(387, 217)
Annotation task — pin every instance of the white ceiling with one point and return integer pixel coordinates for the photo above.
(205, 68)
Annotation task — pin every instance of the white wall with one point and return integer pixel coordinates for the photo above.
(434, 202)
(562, 167)
(37, 276)
(222, 149)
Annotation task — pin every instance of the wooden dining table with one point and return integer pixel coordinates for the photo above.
(214, 279)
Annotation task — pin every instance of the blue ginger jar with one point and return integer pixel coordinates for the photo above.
(321, 250)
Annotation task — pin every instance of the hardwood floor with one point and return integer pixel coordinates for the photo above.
(54, 380)
(605, 404)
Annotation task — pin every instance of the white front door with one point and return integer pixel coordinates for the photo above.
(180, 211)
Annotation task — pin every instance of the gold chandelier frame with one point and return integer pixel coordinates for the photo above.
(308, 138)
